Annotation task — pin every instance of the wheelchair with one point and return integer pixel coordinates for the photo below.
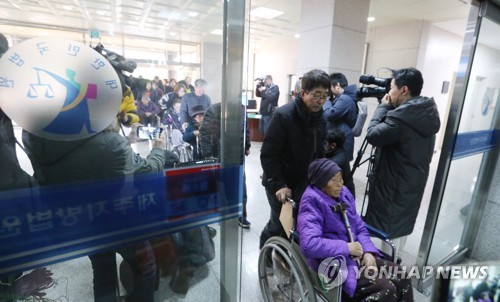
(292, 279)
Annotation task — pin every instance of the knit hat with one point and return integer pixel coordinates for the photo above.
(321, 171)
(197, 109)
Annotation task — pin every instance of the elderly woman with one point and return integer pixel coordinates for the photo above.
(323, 234)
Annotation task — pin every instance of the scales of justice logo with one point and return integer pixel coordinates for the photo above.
(58, 89)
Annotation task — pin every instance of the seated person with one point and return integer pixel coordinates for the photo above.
(192, 133)
(148, 111)
(335, 139)
(323, 234)
(172, 115)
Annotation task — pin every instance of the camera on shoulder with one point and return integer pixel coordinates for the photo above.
(260, 83)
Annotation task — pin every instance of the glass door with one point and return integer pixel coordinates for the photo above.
(469, 152)
(114, 226)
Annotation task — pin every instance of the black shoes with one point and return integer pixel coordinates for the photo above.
(244, 223)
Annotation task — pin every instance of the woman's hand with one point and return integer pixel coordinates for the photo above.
(355, 249)
(369, 261)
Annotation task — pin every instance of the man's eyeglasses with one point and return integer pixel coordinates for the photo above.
(318, 96)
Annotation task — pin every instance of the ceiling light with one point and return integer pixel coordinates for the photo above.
(370, 19)
(216, 32)
(297, 36)
(67, 7)
(266, 13)
(193, 14)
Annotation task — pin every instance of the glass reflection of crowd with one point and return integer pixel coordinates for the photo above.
(104, 155)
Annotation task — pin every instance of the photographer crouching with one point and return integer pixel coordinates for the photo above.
(269, 94)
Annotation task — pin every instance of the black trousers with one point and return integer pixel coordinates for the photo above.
(273, 226)
(141, 260)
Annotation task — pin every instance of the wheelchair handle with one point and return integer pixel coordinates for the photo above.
(290, 201)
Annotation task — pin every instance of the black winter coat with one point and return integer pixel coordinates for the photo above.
(210, 133)
(293, 140)
(404, 138)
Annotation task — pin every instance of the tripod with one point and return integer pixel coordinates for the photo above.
(357, 163)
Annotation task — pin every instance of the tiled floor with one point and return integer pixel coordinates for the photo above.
(74, 277)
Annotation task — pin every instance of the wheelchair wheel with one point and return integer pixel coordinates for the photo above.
(283, 274)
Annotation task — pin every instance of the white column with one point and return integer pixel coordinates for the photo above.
(332, 36)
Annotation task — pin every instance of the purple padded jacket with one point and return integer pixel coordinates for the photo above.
(323, 233)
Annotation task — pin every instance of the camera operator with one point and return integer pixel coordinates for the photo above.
(403, 129)
(340, 112)
(269, 94)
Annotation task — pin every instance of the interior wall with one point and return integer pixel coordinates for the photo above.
(396, 46)
(438, 60)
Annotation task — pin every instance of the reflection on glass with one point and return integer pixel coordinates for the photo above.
(455, 208)
(483, 92)
(183, 264)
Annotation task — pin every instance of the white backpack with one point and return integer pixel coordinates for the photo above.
(360, 119)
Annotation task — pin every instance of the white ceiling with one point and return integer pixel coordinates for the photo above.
(169, 20)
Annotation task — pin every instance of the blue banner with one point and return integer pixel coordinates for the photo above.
(55, 223)
(471, 143)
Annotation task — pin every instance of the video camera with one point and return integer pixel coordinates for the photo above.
(120, 64)
(260, 83)
(374, 92)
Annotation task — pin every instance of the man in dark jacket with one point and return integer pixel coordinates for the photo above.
(270, 95)
(341, 111)
(403, 129)
(294, 139)
(210, 146)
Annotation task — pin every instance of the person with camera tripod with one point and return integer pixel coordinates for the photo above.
(403, 130)
(269, 94)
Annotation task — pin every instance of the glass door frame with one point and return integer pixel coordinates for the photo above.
(479, 10)
(232, 83)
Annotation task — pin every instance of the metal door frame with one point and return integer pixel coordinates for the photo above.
(479, 9)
